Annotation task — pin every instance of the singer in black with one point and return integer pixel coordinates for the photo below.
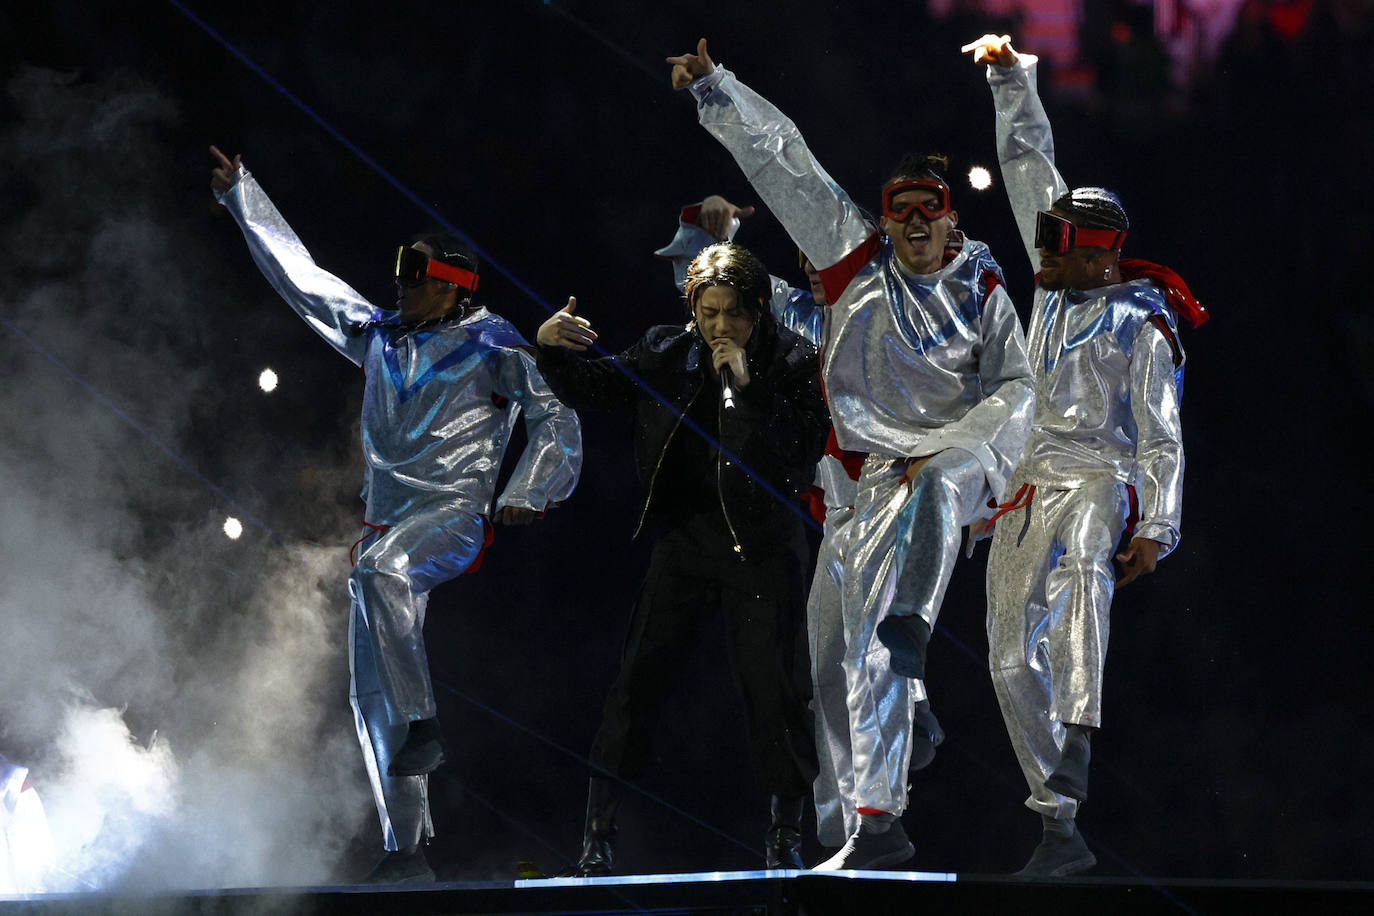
(729, 422)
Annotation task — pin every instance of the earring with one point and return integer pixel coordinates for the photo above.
(1106, 273)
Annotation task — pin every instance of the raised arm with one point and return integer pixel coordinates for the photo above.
(330, 306)
(820, 217)
(1025, 143)
(700, 226)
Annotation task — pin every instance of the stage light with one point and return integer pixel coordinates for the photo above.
(233, 528)
(980, 178)
(267, 381)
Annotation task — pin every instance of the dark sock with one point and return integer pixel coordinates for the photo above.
(1058, 827)
(879, 822)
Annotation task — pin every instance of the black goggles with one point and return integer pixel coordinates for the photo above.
(929, 209)
(1055, 234)
(413, 267)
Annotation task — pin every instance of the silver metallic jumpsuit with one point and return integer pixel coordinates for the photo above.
(439, 406)
(1106, 418)
(914, 365)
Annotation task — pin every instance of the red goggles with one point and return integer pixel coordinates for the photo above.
(929, 209)
(1056, 234)
(414, 267)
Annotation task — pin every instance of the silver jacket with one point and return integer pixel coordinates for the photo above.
(1106, 384)
(440, 401)
(913, 364)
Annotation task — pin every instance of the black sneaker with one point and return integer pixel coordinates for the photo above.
(871, 850)
(1059, 857)
(422, 752)
(401, 868)
(906, 639)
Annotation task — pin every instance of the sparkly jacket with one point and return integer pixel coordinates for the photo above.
(913, 363)
(836, 482)
(1107, 362)
(441, 399)
(771, 438)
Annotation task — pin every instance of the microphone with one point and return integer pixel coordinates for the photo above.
(727, 386)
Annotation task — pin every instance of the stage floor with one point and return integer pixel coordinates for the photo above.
(871, 893)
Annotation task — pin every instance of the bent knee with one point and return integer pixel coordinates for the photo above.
(373, 565)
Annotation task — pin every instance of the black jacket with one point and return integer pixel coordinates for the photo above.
(776, 430)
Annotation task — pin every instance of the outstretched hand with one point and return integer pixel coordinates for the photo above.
(993, 49)
(564, 329)
(688, 67)
(1138, 559)
(717, 214)
(222, 178)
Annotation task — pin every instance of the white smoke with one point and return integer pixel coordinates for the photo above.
(179, 697)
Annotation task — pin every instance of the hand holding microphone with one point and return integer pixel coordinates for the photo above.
(730, 361)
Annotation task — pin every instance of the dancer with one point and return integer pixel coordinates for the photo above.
(926, 376)
(831, 501)
(1108, 374)
(446, 382)
(729, 422)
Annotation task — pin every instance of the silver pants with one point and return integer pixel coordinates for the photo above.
(837, 817)
(901, 551)
(1050, 583)
(390, 671)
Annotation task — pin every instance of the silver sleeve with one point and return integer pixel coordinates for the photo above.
(552, 461)
(329, 305)
(821, 218)
(1159, 438)
(799, 314)
(1025, 146)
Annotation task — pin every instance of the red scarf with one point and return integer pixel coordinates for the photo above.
(1176, 292)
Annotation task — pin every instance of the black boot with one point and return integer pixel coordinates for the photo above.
(405, 866)
(598, 835)
(782, 845)
(906, 638)
(1062, 851)
(926, 735)
(1070, 776)
(422, 751)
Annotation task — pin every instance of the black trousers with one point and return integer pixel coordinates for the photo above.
(692, 576)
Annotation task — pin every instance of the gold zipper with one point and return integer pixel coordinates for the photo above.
(653, 478)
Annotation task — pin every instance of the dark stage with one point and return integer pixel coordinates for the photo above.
(778, 893)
